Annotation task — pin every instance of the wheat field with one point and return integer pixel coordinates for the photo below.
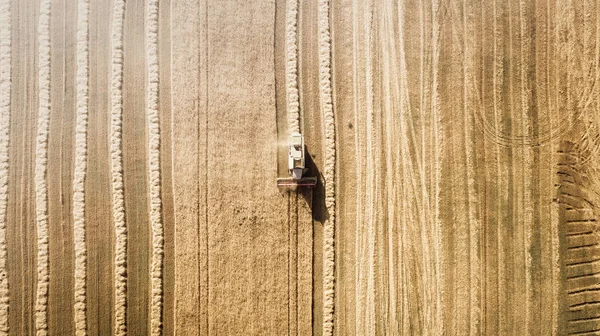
(456, 145)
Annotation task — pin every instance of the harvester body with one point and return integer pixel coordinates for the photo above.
(296, 165)
(296, 156)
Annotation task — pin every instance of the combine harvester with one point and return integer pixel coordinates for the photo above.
(296, 164)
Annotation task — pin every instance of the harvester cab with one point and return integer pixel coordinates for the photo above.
(296, 156)
(296, 165)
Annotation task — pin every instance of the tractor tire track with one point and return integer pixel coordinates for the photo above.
(581, 267)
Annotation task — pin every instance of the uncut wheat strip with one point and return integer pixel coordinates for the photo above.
(325, 89)
(154, 166)
(41, 167)
(5, 92)
(80, 167)
(116, 162)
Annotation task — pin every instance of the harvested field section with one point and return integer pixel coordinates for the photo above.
(61, 165)
(20, 232)
(5, 91)
(450, 118)
(99, 230)
(135, 178)
(455, 146)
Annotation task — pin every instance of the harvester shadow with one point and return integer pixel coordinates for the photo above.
(315, 197)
